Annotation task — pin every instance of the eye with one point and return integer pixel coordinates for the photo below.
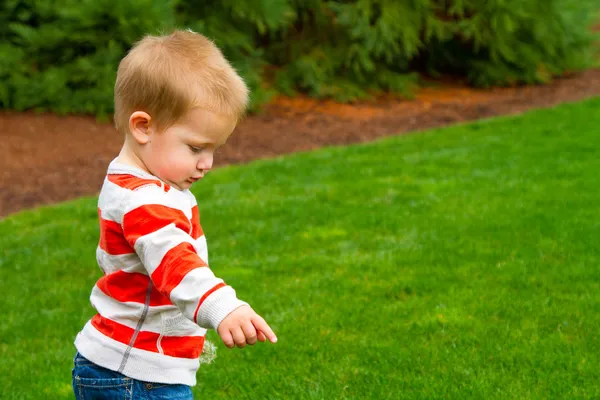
(195, 149)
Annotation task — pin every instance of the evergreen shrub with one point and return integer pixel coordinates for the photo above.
(62, 55)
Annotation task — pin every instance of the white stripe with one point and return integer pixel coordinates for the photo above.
(152, 247)
(191, 198)
(111, 263)
(176, 324)
(191, 288)
(202, 248)
(110, 201)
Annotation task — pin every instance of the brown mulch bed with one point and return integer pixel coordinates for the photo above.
(46, 158)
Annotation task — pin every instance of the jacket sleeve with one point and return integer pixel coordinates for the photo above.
(160, 235)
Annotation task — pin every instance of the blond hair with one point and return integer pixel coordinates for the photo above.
(167, 76)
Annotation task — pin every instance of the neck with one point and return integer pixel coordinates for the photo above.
(129, 156)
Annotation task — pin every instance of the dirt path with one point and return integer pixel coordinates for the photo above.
(46, 158)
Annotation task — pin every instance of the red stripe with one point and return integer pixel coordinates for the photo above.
(124, 286)
(112, 240)
(196, 228)
(220, 285)
(132, 182)
(182, 346)
(123, 334)
(150, 218)
(175, 346)
(174, 266)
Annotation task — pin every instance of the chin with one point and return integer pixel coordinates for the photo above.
(179, 185)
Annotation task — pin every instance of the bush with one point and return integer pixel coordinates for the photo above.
(62, 56)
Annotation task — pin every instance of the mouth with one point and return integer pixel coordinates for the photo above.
(192, 180)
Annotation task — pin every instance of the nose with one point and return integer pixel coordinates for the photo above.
(205, 163)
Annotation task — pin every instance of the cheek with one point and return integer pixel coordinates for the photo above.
(174, 162)
(182, 161)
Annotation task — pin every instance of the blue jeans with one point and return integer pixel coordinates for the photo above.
(92, 382)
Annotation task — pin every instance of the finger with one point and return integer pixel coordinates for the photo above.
(260, 336)
(238, 337)
(249, 332)
(227, 338)
(261, 325)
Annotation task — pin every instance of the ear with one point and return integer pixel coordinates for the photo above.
(140, 126)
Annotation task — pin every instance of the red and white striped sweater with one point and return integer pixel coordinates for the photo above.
(157, 296)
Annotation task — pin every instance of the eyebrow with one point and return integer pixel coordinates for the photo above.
(196, 143)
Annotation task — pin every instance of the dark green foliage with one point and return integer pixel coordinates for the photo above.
(62, 55)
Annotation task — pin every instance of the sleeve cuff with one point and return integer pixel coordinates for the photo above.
(217, 306)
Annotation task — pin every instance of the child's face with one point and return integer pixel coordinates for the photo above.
(183, 153)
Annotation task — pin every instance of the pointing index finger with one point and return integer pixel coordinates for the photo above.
(261, 326)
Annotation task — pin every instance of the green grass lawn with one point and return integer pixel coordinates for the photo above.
(456, 263)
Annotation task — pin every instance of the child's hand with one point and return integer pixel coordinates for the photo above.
(244, 326)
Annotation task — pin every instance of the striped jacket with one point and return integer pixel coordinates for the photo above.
(157, 297)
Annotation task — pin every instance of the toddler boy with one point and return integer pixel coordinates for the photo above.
(176, 100)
